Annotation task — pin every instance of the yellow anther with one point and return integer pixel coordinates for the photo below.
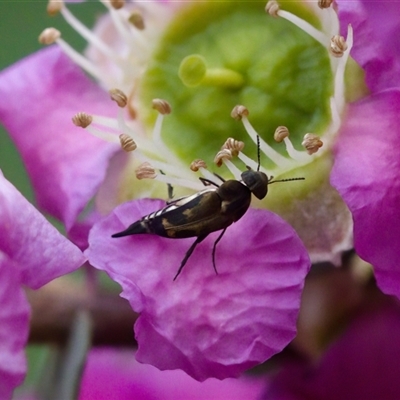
(117, 4)
(127, 142)
(324, 3)
(272, 8)
(136, 19)
(281, 133)
(338, 46)
(197, 164)
(312, 143)
(145, 171)
(54, 7)
(119, 97)
(162, 106)
(82, 119)
(222, 155)
(239, 111)
(234, 146)
(49, 36)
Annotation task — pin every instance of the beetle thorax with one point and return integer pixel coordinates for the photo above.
(257, 182)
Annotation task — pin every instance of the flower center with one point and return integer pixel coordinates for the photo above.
(286, 67)
(215, 55)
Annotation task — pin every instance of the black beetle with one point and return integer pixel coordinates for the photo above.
(210, 210)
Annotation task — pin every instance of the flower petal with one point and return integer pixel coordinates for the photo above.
(14, 327)
(376, 39)
(115, 374)
(28, 239)
(362, 364)
(206, 324)
(366, 174)
(38, 97)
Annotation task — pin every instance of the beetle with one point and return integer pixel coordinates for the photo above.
(209, 210)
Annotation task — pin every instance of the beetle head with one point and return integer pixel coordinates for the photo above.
(257, 182)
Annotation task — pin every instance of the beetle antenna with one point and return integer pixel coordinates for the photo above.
(258, 153)
(284, 180)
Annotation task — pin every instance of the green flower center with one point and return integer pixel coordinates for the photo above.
(281, 74)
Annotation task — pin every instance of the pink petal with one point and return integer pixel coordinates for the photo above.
(28, 239)
(112, 374)
(38, 97)
(376, 39)
(362, 364)
(14, 326)
(366, 174)
(206, 324)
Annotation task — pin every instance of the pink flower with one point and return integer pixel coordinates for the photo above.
(347, 124)
(112, 374)
(52, 148)
(32, 253)
(368, 137)
(208, 325)
(361, 364)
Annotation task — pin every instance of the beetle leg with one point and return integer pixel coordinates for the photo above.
(189, 253)
(215, 247)
(219, 177)
(170, 193)
(170, 190)
(207, 182)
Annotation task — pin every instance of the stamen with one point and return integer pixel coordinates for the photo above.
(224, 156)
(240, 112)
(193, 72)
(162, 106)
(235, 171)
(338, 46)
(251, 163)
(117, 4)
(136, 19)
(324, 3)
(119, 97)
(145, 171)
(234, 146)
(312, 143)
(335, 120)
(127, 142)
(197, 164)
(86, 33)
(221, 156)
(54, 7)
(167, 167)
(282, 134)
(51, 35)
(200, 165)
(119, 23)
(82, 119)
(273, 9)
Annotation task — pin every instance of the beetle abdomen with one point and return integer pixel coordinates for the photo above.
(135, 228)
